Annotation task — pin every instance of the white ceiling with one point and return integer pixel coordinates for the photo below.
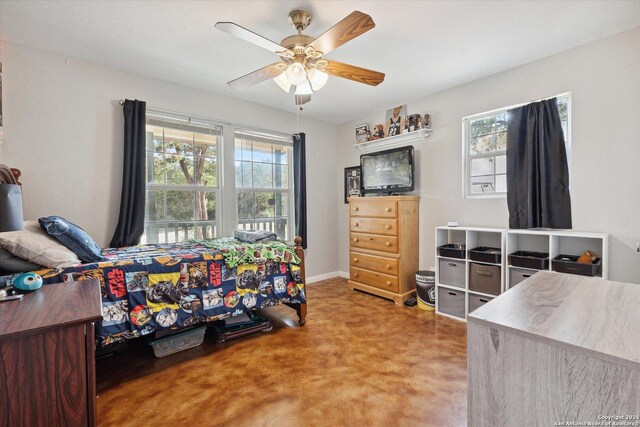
(422, 46)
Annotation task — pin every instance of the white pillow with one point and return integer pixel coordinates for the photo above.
(34, 245)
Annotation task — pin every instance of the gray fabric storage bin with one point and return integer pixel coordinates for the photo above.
(517, 275)
(451, 302)
(477, 301)
(451, 272)
(11, 218)
(484, 278)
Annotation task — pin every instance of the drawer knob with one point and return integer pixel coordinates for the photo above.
(388, 244)
(387, 209)
(355, 260)
(388, 227)
(388, 283)
(355, 209)
(355, 224)
(356, 274)
(355, 239)
(388, 267)
(453, 264)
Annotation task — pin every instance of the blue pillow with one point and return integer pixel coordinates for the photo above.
(73, 237)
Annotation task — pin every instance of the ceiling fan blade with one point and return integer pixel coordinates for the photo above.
(349, 28)
(249, 36)
(357, 74)
(302, 99)
(258, 76)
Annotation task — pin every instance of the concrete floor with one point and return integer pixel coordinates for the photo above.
(359, 360)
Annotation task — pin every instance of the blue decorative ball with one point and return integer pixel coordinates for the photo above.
(27, 282)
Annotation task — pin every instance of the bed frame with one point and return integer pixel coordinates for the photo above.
(301, 309)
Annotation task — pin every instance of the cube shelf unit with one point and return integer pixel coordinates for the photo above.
(471, 237)
(554, 242)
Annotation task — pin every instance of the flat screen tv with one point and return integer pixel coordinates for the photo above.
(389, 171)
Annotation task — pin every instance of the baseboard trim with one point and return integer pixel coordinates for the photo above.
(344, 274)
(319, 277)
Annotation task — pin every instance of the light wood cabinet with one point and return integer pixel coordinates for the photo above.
(558, 349)
(383, 245)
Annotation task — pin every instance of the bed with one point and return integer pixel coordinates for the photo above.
(162, 288)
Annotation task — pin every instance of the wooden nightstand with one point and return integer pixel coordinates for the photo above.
(47, 356)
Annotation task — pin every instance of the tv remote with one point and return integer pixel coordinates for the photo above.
(411, 302)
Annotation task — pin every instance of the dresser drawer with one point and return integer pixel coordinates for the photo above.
(376, 208)
(374, 242)
(388, 227)
(377, 280)
(374, 263)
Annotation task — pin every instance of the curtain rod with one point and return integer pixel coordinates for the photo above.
(239, 126)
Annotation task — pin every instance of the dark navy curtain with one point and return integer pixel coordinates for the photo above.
(131, 218)
(537, 168)
(300, 186)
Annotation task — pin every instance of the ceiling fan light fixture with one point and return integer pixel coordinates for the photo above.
(296, 74)
(317, 78)
(304, 88)
(283, 82)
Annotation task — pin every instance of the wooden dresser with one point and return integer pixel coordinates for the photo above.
(383, 245)
(47, 356)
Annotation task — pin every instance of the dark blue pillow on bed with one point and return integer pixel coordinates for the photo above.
(73, 237)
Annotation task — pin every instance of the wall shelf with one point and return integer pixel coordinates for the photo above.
(418, 136)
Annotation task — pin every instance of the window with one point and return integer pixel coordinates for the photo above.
(263, 183)
(182, 180)
(485, 149)
(187, 161)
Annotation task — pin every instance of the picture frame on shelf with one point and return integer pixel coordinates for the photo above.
(352, 182)
(413, 122)
(362, 133)
(395, 121)
(426, 121)
(378, 132)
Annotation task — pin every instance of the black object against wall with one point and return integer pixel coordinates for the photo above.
(11, 217)
(131, 218)
(300, 186)
(537, 169)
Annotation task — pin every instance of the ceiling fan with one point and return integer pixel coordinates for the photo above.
(301, 62)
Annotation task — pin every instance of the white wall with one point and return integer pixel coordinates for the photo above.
(63, 129)
(605, 165)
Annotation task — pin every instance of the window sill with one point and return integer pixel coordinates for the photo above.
(486, 196)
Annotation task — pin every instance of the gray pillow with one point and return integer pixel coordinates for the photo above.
(10, 263)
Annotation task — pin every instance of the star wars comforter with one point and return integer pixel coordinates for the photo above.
(172, 286)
